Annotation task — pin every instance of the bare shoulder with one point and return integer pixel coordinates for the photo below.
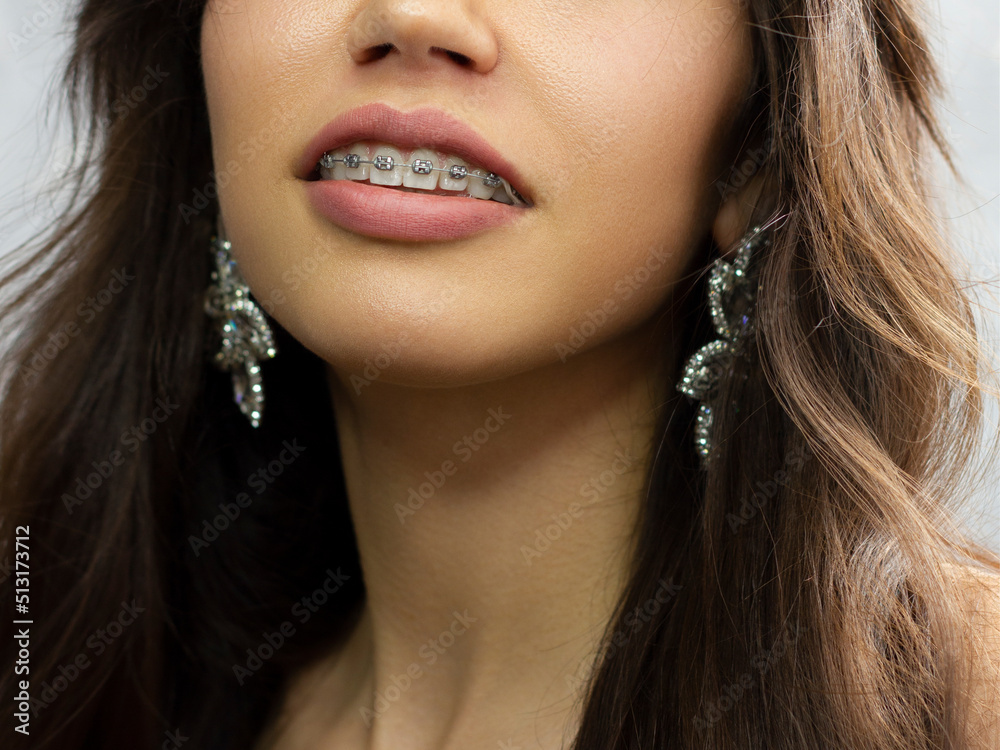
(980, 595)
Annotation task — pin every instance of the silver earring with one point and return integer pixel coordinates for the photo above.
(731, 294)
(244, 335)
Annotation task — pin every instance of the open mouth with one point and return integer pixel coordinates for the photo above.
(415, 171)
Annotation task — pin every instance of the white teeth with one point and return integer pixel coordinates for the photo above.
(420, 170)
(392, 176)
(458, 184)
(413, 179)
(338, 171)
(477, 188)
(362, 171)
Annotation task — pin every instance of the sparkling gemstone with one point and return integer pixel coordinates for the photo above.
(243, 332)
(239, 386)
(704, 369)
(703, 432)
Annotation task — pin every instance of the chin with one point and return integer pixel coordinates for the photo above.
(442, 357)
(425, 360)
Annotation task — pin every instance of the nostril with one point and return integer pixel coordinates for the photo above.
(377, 53)
(456, 56)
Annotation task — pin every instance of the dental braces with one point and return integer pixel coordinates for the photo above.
(385, 163)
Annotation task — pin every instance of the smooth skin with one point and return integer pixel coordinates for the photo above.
(622, 117)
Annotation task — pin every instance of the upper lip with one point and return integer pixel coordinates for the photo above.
(421, 128)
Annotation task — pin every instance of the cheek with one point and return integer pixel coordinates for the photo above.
(645, 112)
(258, 59)
(256, 76)
(641, 99)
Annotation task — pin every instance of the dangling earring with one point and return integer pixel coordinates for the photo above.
(731, 294)
(243, 331)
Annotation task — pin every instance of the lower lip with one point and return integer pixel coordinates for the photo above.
(383, 212)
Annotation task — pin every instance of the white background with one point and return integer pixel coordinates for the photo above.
(965, 37)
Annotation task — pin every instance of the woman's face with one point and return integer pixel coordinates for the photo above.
(617, 117)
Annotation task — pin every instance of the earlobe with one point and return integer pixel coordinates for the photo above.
(736, 213)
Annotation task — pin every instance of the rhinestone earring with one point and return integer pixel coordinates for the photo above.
(731, 294)
(244, 335)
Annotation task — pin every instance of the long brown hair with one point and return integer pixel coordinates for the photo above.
(809, 603)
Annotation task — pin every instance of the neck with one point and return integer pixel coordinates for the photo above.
(494, 524)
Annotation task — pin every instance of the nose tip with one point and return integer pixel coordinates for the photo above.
(423, 34)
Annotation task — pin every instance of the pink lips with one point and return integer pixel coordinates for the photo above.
(379, 211)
